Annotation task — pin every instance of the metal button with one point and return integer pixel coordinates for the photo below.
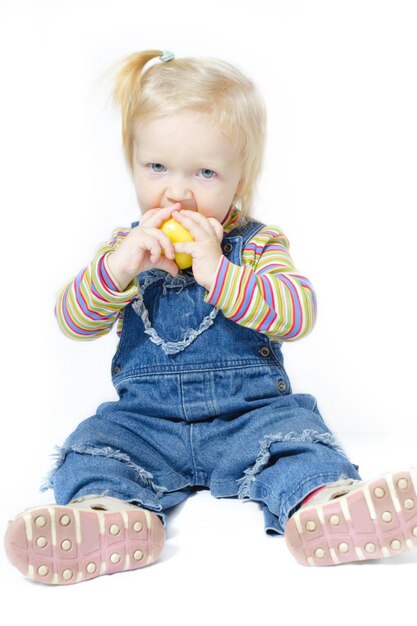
(264, 351)
(282, 386)
(116, 370)
(227, 248)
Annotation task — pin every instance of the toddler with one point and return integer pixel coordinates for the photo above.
(204, 399)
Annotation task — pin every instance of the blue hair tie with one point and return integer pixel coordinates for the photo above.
(167, 56)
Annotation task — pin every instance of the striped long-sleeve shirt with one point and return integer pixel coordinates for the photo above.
(265, 293)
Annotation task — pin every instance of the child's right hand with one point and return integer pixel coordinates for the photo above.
(142, 248)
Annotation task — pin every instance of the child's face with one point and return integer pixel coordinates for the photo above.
(184, 158)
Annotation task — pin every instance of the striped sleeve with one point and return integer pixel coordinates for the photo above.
(265, 293)
(90, 304)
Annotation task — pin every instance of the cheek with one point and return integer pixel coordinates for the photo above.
(215, 199)
(216, 193)
(145, 192)
(224, 198)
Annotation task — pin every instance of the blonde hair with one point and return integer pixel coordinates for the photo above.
(198, 84)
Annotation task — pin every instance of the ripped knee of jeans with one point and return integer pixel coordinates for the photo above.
(308, 435)
(145, 477)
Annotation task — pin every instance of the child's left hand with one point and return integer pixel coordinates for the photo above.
(205, 250)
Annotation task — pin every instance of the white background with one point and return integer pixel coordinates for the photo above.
(339, 79)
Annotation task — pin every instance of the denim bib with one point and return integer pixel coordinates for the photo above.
(169, 327)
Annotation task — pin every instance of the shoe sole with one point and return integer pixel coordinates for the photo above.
(61, 545)
(378, 519)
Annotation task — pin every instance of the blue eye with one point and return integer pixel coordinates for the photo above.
(158, 165)
(204, 171)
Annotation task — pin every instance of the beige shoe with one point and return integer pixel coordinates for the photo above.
(65, 544)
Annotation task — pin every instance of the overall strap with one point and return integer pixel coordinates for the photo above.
(246, 230)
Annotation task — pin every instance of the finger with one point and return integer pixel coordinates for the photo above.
(201, 219)
(164, 241)
(158, 216)
(155, 247)
(155, 217)
(197, 224)
(155, 251)
(217, 227)
(187, 246)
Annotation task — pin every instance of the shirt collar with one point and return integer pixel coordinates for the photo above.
(230, 220)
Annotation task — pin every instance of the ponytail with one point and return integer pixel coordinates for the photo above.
(127, 75)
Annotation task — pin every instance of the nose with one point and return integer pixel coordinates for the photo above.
(179, 191)
(184, 198)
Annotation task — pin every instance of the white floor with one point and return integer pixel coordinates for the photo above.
(218, 565)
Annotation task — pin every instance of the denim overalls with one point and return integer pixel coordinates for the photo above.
(203, 403)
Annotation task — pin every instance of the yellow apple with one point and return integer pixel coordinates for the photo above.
(178, 234)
